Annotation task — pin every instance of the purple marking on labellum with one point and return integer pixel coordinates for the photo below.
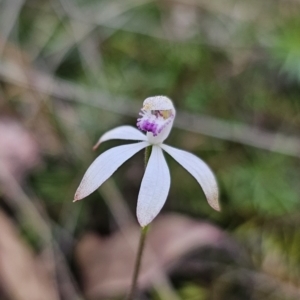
(149, 126)
(153, 121)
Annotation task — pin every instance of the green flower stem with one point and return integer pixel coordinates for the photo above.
(137, 266)
(141, 247)
(147, 154)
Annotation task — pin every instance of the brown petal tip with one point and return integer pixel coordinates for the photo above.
(96, 146)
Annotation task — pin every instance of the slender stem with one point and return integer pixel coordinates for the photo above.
(137, 266)
(141, 247)
(147, 154)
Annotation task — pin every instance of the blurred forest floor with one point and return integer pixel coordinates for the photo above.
(70, 70)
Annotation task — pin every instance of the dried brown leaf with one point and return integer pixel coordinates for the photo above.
(18, 150)
(21, 276)
(106, 264)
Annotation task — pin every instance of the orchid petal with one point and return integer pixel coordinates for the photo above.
(199, 169)
(104, 166)
(122, 133)
(154, 188)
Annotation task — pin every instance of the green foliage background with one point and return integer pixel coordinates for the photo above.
(235, 61)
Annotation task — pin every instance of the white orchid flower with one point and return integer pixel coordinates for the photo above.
(157, 116)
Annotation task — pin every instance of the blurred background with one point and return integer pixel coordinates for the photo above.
(72, 69)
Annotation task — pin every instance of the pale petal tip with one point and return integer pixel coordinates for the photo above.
(96, 146)
(144, 218)
(143, 223)
(216, 206)
(77, 197)
(214, 203)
